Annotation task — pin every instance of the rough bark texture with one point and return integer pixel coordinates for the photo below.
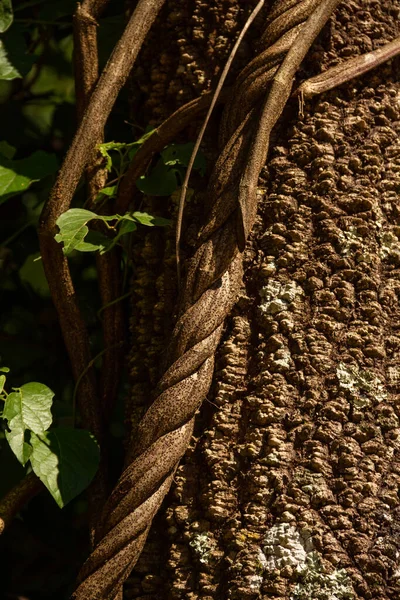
(290, 488)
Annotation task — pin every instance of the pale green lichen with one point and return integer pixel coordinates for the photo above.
(284, 545)
(311, 483)
(252, 580)
(389, 244)
(349, 240)
(273, 459)
(276, 296)
(202, 546)
(351, 244)
(317, 584)
(362, 385)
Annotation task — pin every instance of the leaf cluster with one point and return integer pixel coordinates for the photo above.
(64, 459)
(38, 120)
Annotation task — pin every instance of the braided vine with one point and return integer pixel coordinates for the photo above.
(213, 279)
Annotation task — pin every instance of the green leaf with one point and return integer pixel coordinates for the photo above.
(96, 241)
(65, 460)
(7, 150)
(31, 403)
(126, 151)
(107, 147)
(127, 226)
(4, 370)
(32, 272)
(17, 175)
(6, 15)
(179, 155)
(16, 441)
(28, 407)
(149, 220)
(75, 234)
(2, 382)
(110, 191)
(15, 62)
(104, 151)
(73, 230)
(161, 181)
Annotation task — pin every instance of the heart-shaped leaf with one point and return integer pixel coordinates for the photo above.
(28, 407)
(65, 460)
(73, 230)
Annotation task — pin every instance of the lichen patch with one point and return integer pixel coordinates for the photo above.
(277, 297)
(285, 545)
(316, 584)
(362, 385)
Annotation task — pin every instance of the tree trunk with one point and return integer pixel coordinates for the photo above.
(290, 487)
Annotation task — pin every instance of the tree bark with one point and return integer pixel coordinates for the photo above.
(290, 487)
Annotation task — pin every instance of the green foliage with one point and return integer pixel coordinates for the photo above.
(122, 153)
(164, 178)
(38, 121)
(27, 408)
(6, 15)
(7, 150)
(18, 175)
(73, 229)
(178, 155)
(32, 274)
(161, 181)
(15, 62)
(65, 460)
(169, 171)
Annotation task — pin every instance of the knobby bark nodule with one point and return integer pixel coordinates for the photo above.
(289, 487)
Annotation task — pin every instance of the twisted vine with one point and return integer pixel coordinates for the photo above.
(213, 279)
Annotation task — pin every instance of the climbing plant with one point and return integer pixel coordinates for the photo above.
(79, 187)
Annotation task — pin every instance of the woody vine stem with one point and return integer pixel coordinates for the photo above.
(212, 276)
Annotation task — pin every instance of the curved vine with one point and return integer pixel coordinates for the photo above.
(210, 289)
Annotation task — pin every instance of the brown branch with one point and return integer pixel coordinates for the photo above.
(78, 156)
(94, 7)
(108, 265)
(86, 76)
(86, 62)
(350, 69)
(17, 497)
(212, 283)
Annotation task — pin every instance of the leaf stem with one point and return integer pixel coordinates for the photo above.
(112, 302)
(85, 370)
